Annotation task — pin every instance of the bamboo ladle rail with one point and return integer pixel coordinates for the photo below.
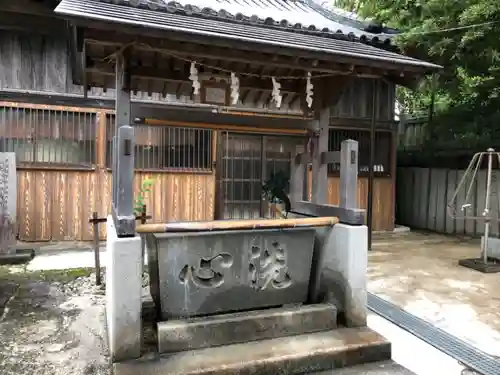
(228, 225)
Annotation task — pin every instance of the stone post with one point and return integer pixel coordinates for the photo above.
(343, 263)
(123, 154)
(123, 294)
(349, 174)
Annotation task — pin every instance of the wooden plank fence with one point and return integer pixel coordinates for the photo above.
(422, 196)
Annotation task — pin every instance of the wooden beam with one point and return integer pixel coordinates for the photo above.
(361, 123)
(39, 24)
(320, 144)
(192, 50)
(37, 8)
(290, 86)
(330, 157)
(101, 140)
(223, 127)
(122, 85)
(22, 105)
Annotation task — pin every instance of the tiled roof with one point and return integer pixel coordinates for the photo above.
(196, 18)
(354, 20)
(297, 15)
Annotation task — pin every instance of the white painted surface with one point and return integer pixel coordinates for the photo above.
(414, 354)
(123, 294)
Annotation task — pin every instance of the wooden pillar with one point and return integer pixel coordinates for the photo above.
(100, 172)
(320, 169)
(298, 178)
(371, 172)
(263, 174)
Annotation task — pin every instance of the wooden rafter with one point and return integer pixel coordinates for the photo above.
(334, 65)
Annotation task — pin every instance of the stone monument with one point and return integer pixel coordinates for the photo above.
(8, 201)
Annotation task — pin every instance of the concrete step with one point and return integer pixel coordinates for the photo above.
(212, 331)
(376, 368)
(301, 354)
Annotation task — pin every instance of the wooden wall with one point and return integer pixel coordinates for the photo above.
(356, 103)
(383, 202)
(383, 205)
(36, 62)
(56, 204)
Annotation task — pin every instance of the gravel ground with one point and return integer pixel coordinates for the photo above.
(52, 323)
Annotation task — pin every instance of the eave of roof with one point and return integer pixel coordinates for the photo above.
(168, 17)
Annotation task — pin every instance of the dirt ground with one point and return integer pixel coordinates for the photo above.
(51, 323)
(420, 273)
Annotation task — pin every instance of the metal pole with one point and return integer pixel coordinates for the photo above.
(486, 212)
(96, 249)
(371, 173)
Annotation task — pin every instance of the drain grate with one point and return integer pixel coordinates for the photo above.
(463, 352)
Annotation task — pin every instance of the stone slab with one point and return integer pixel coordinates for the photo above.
(300, 354)
(17, 256)
(377, 368)
(8, 202)
(479, 265)
(225, 329)
(220, 272)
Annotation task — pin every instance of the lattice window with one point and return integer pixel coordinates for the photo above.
(167, 147)
(383, 150)
(48, 137)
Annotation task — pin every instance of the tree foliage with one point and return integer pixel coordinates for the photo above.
(467, 99)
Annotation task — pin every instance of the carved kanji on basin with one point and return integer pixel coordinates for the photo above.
(209, 273)
(217, 272)
(268, 266)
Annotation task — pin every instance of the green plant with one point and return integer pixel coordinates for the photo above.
(141, 197)
(275, 187)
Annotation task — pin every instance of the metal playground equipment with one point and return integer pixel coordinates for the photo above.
(468, 210)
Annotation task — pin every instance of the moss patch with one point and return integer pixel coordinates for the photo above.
(10, 273)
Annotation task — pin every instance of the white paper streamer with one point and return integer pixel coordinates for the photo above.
(193, 76)
(276, 93)
(309, 90)
(235, 89)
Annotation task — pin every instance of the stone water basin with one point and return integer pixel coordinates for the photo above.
(210, 272)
